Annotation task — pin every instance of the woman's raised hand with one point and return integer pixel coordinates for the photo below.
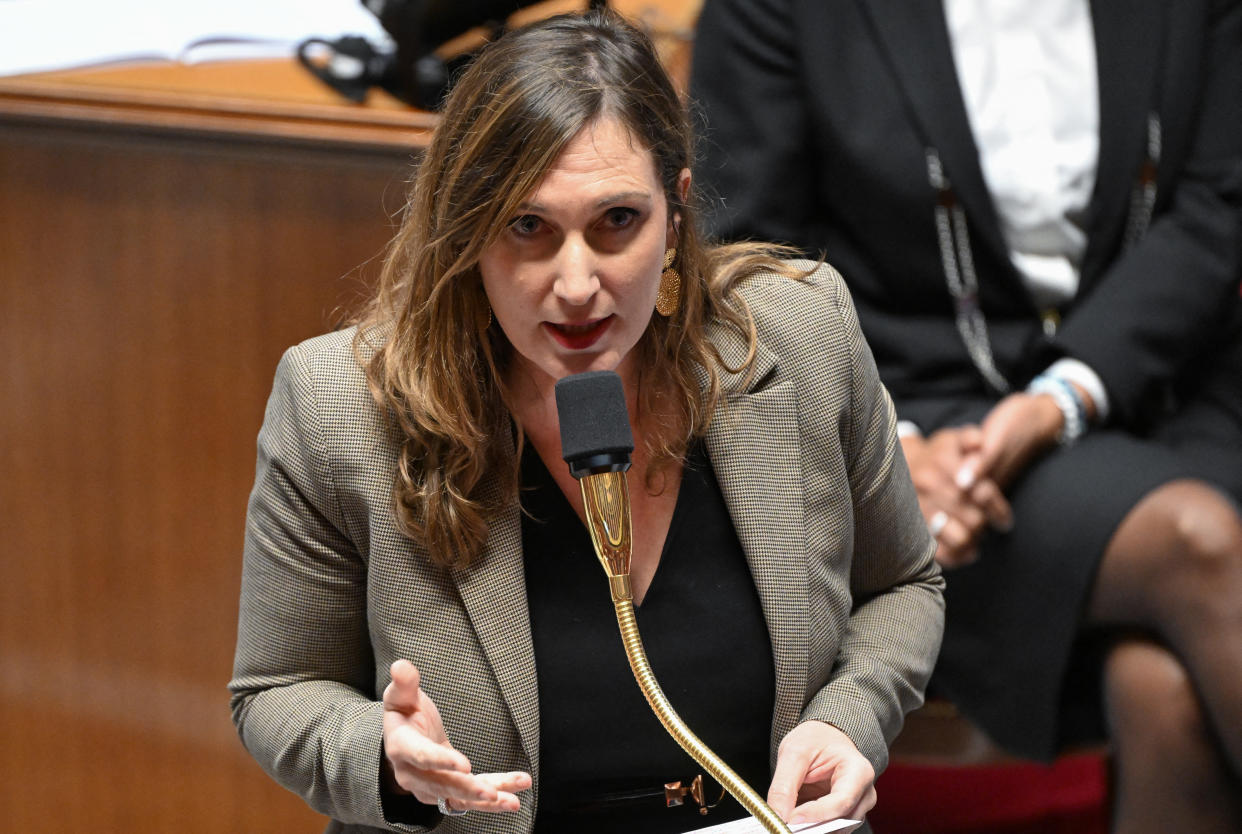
(419, 759)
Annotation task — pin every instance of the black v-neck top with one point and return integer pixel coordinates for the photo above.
(604, 756)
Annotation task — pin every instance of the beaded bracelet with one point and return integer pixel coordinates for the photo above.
(1067, 398)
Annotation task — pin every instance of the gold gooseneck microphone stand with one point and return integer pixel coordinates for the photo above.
(606, 500)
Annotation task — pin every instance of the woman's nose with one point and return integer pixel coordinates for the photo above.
(576, 281)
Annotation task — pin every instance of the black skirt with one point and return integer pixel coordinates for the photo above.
(1017, 657)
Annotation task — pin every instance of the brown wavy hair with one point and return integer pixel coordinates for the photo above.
(434, 361)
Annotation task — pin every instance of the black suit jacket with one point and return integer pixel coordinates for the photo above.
(820, 114)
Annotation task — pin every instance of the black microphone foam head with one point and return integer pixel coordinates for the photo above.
(595, 424)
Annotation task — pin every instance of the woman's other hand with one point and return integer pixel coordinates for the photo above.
(1017, 430)
(419, 760)
(820, 775)
(958, 504)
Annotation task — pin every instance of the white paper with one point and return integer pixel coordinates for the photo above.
(751, 825)
(40, 35)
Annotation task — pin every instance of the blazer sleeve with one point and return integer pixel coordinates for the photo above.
(303, 687)
(1157, 304)
(893, 633)
(745, 82)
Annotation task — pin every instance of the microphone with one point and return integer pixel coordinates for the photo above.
(596, 442)
(595, 424)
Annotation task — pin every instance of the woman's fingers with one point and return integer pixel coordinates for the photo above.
(969, 516)
(513, 782)
(464, 789)
(960, 506)
(506, 787)
(791, 768)
(409, 747)
(406, 702)
(425, 764)
(955, 545)
(490, 792)
(958, 497)
(402, 693)
(957, 524)
(835, 806)
(819, 766)
(969, 438)
(965, 519)
(849, 793)
(864, 805)
(851, 785)
(429, 782)
(987, 496)
(416, 748)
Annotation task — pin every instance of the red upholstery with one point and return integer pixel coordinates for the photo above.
(1068, 797)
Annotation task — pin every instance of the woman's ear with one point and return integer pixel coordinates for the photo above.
(683, 194)
(683, 185)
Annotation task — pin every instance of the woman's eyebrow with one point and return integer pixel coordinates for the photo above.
(619, 197)
(622, 197)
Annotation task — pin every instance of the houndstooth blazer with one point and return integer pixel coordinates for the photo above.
(805, 452)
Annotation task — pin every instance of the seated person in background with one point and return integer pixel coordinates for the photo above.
(424, 627)
(1037, 208)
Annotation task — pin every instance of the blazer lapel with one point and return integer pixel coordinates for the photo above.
(756, 453)
(1128, 40)
(915, 38)
(494, 595)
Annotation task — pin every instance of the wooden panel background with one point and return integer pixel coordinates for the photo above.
(147, 288)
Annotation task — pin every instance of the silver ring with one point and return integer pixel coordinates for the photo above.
(442, 804)
(938, 520)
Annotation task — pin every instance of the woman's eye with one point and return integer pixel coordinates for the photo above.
(620, 217)
(526, 225)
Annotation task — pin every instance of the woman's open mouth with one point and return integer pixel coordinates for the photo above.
(578, 335)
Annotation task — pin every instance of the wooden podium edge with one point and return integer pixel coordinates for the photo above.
(50, 99)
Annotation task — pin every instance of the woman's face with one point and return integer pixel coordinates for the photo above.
(572, 279)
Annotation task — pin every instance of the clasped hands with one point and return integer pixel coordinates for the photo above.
(960, 472)
(820, 775)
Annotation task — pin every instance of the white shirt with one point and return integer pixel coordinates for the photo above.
(1027, 71)
(1028, 77)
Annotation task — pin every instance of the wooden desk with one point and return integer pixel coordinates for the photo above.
(275, 101)
(165, 232)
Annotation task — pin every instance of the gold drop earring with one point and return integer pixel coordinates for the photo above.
(668, 295)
